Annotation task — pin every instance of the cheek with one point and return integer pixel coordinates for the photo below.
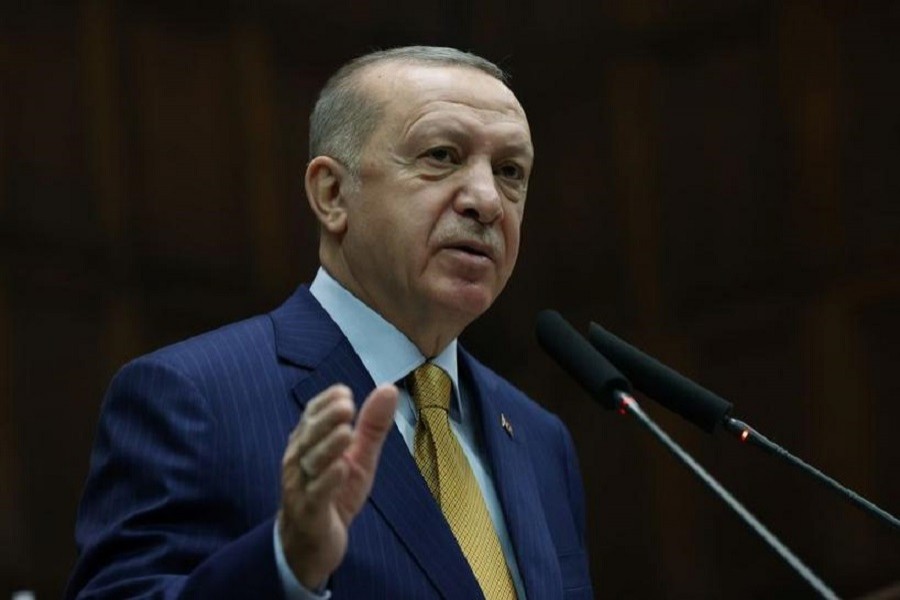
(512, 234)
(407, 236)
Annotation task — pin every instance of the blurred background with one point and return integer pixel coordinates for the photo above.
(717, 181)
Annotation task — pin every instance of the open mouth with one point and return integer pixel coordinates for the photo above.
(471, 250)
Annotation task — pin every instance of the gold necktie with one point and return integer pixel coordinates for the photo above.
(450, 478)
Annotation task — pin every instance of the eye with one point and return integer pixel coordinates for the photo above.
(510, 171)
(442, 154)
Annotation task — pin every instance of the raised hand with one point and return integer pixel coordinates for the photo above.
(326, 475)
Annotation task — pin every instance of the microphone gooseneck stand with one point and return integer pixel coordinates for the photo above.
(630, 405)
(705, 409)
(612, 390)
(746, 434)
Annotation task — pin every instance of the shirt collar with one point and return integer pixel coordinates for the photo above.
(386, 353)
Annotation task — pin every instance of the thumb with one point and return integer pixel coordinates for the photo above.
(376, 417)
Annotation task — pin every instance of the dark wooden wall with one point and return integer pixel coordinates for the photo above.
(717, 181)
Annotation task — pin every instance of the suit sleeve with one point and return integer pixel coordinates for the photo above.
(575, 483)
(574, 564)
(155, 519)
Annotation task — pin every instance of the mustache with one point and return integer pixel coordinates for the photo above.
(485, 238)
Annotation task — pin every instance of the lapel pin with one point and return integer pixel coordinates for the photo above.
(506, 425)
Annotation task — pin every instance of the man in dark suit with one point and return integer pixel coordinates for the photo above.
(243, 463)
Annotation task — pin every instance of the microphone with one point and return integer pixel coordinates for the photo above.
(612, 390)
(579, 359)
(667, 386)
(706, 410)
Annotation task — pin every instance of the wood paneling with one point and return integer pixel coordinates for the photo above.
(715, 181)
(13, 538)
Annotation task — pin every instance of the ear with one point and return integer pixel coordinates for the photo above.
(327, 182)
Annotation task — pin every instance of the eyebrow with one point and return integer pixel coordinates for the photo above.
(519, 148)
(456, 131)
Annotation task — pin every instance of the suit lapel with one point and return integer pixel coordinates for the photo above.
(403, 499)
(308, 337)
(515, 483)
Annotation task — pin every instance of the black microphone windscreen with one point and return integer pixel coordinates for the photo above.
(579, 359)
(665, 385)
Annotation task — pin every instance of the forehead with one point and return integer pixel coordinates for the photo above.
(411, 94)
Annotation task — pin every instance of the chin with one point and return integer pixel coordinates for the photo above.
(468, 300)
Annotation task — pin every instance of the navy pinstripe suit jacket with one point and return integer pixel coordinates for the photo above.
(184, 480)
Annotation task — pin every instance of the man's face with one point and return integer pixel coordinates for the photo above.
(433, 227)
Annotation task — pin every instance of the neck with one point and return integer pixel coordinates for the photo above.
(430, 330)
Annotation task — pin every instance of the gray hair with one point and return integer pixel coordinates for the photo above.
(345, 116)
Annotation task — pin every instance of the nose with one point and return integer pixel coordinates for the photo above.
(479, 197)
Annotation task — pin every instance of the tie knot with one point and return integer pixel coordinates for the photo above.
(430, 387)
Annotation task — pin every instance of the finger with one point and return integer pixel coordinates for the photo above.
(312, 429)
(317, 458)
(321, 489)
(321, 401)
(338, 390)
(338, 412)
(375, 421)
(333, 406)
